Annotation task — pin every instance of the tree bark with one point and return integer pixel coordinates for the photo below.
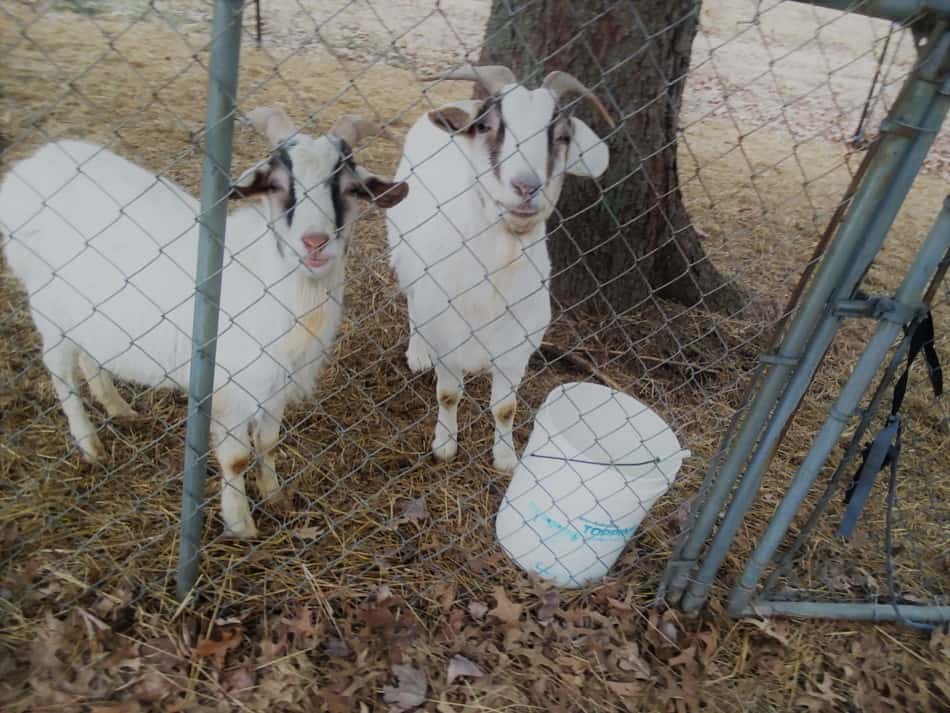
(620, 239)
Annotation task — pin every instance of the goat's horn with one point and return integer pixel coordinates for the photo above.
(272, 122)
(493, 77)
(563, 83)
(353, 129)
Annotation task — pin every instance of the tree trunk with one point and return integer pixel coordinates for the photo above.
(627, 235)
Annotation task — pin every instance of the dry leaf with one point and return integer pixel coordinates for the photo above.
(411, 691)
(337, 648)
(506, 611)
(461, 666)
(477, 610)
(303, 626)
(126, 707)
(550, 602)
(412, 511)
(218, 649)
(307, 533)
(625, 688)
(239, 682)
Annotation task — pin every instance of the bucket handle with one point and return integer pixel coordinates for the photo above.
(652, 461)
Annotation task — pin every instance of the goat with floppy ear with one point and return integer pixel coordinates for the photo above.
(468, 244)
(106, 251)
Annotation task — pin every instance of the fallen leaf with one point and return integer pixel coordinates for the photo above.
(303, 626)
(217, 649)
(506, 611)
(625, 688)
(337, 648)
(456, 621)
(307, 533)
(152, 687)
(772, 628)
(550, 602)
(445, 594)
(126, 707)
(239, 682)
(461, 666)
(411, 691)
(618, 605)
(412, 511)
(477, 610)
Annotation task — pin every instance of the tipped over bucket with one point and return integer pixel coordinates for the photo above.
(596, 462)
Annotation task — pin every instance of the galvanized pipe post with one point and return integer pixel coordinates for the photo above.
(853, 611)
(907, 299)
(215, 185)
(869, 244)
(874, 206)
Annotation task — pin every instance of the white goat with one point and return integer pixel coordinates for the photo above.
(468, 245)
(107, 252)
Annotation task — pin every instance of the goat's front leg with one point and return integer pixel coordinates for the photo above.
(233, 451)
(267, 436)
(504, 402)
(449, 393)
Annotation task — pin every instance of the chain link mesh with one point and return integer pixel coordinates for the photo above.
(773, 96)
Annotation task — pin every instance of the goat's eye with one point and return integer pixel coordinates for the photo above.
(482, 128)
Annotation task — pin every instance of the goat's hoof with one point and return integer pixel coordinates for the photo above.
(417, 356)
(445, 450)
(268, 485)
(92, 449)
(242, 530)
(123, 412)
(505, 458)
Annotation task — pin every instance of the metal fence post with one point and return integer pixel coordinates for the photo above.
(907, 296)
(888, 179)
(215, 183)
(899, 178)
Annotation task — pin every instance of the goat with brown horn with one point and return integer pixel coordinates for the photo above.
(467, 243)
(562, 83)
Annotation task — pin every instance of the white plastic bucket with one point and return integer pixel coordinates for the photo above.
(596, 462)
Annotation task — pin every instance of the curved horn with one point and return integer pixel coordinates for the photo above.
(353, 129)
(272, 122)
(493, 77)
(563, 83)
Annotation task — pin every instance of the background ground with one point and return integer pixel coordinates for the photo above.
(361, 596)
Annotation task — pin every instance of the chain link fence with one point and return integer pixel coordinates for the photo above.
(776, 115)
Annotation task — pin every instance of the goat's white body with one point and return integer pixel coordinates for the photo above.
(107, 254)
(478, 296)
(477, 293)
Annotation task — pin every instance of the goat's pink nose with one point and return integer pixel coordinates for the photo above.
(526, 185)
(315, 241)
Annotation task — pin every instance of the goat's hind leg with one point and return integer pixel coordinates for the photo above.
(61, 362)
(103, 389)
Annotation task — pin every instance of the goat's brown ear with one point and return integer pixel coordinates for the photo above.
(267, 177)
(451, 119)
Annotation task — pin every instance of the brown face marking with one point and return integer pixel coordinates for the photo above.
(239, 465)
(506, 413)
(448, 399)
(559, 126)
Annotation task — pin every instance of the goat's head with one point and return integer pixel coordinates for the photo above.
(310, 187)
(522, 142)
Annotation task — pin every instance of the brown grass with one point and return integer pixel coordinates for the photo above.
(82, 542)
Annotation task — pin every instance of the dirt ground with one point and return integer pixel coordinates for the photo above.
(378, 584)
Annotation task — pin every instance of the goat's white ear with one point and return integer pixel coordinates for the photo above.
(587, 154)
